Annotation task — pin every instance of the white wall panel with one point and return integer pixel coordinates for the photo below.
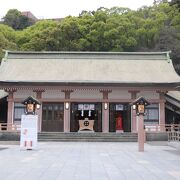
(53, 94)
(119, 94)
(24, 94)
(149, 94)
(86, 94)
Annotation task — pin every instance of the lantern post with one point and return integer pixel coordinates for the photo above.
(140, 105)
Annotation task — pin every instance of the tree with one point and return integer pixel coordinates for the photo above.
(7, 39)
(151, 28)
(16, 20)
(175, 2)
(169, 39)
(38, 37)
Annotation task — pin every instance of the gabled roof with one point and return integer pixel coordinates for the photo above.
(88, 67)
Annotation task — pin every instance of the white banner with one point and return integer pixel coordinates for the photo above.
(29, 131)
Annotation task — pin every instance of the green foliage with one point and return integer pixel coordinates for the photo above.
(38, 36)
(154, 28)
(7, 39)
(16, 20)
(176, 3)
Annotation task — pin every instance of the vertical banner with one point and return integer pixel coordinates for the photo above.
(29, 131)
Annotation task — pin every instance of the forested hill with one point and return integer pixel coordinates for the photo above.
(154, 28)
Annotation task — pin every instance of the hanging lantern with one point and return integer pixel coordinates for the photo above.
(31, 105)
(139, 105)
(82, 113)
(89, 113)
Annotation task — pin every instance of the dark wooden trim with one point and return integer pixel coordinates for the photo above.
(4, 84)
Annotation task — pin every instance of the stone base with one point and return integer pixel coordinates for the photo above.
(85, 131)
(119, 131)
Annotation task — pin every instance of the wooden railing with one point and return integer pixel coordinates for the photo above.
(174, 136)
(162, 127)
(9, 127)
(174, 132)
(148, 128)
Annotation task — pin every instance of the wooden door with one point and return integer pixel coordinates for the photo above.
(53, 117)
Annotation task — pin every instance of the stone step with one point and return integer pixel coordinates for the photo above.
(87, 140)
(42, 137)
(88, 137)
(87, 134)
(46, 137)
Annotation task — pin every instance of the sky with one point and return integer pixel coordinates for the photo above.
(44, 9)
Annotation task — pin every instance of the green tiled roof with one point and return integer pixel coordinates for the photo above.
(88, 67)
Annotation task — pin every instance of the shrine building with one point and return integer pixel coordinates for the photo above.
(95, 86)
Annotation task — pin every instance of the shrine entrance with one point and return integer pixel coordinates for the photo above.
(119, 117)
(86, 111)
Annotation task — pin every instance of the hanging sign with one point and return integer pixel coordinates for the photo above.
(119, 107)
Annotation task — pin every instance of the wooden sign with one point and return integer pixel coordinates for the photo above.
(28, 139)
(86, 125)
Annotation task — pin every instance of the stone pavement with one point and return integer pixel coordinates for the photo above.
(89, 161)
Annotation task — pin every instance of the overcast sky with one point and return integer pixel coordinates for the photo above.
(62, 8)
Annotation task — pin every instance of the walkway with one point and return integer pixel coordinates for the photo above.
(89, 161)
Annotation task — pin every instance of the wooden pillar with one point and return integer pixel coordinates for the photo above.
(105, 117)
(66, 117)
(10, 113)
(105, 111)
(67, 109)
(141, 136)
(134, 123)
(39, 111)
(162, 111)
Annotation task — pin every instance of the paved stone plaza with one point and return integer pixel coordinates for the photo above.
(89, 161)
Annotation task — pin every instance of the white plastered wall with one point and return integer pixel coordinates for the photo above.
(24, 94)
(53, 94)
(119, 94)
(149, 94)
(86, 94)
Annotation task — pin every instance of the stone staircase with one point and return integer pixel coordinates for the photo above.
(86, 137)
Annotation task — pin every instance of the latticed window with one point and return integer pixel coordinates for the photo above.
(152, 114)
(19, 109)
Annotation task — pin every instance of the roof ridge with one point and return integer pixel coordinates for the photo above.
(88, 52)
(88, 55)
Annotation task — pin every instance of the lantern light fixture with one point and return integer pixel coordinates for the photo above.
(105, 106)
(134, 107)
(38, 106)
(67, 105)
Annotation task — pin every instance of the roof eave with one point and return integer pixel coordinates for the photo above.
(81, 83)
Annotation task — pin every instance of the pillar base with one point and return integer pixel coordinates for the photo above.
(119, 131)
